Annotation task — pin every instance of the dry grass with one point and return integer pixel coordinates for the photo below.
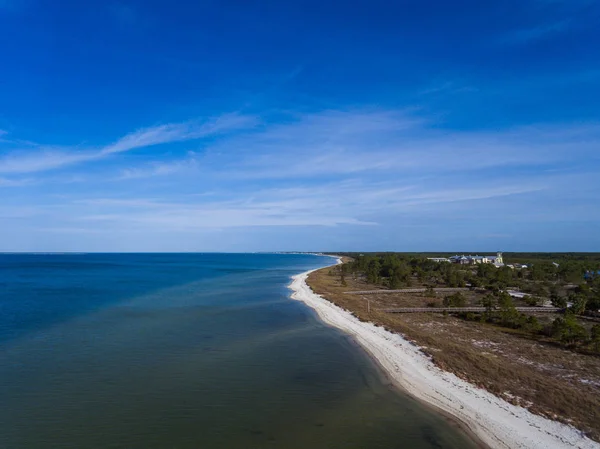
(546, 379)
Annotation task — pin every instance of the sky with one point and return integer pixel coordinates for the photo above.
(299, 125)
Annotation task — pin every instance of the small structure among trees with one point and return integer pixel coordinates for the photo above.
(472, 260)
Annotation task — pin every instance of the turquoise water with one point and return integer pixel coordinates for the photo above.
(187, 351)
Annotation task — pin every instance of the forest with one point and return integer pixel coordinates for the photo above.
(570, 281)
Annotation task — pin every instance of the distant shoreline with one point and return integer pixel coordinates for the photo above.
(489, 420)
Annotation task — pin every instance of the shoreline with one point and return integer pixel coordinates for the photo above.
(394, 387)
(489, 420)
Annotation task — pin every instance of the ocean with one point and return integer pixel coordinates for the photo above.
(188, 351)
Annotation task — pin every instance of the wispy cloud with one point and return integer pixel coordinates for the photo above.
(325, 144)
(357, 168)
(48, 158)
(471, 194)
(378, 144)
(319, 141)
(42, 159)
(239, 212)
(153, 169)
(178, 132)
(332, 204)
(4, 182)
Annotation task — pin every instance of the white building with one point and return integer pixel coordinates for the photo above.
(439, 259)
(472, 260)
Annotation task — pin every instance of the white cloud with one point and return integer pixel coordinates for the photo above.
(458, 195)
(329, 143)
(374, 144)
(332, 169)
(347, 203)
(385, 142)
(42, 159)
(4, 182)
(48, 158)
(158, 169)
(178, 132)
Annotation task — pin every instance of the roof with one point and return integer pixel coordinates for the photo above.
(463, 257)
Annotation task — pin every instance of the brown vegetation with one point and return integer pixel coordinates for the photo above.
(543, 377)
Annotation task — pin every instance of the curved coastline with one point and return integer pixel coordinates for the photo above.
(493, 421)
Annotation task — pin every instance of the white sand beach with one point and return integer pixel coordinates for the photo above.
(494, 421)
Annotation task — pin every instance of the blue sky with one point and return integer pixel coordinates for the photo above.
(299, 125)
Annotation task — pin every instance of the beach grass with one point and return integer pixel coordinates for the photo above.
(541, 377)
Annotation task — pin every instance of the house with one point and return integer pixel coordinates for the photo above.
(472, 260)
(462, 260)
(496, 260)
(438, 259)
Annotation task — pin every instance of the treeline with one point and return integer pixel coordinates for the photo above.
(540, 280)
(389, 269)
(565, 330)
(543, 280)
(590, 258)
(516, 257)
